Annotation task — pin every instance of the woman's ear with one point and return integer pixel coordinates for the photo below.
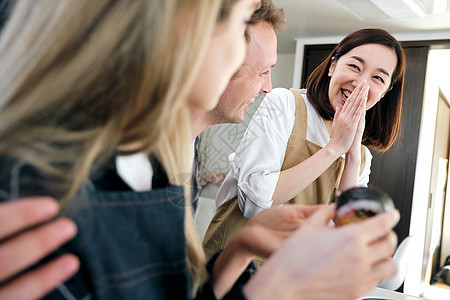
(332, 66)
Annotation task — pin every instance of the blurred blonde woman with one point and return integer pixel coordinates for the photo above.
(86, 83)
(82, 79)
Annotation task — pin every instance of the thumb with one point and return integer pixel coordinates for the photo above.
(322, 216)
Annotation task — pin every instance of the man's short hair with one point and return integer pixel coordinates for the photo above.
(271, 14)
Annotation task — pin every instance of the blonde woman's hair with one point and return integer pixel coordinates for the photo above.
(80, 78)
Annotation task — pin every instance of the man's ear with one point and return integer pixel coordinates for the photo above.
(332, 66)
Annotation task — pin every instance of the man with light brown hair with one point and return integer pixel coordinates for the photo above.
(253, 77)
(250, 80)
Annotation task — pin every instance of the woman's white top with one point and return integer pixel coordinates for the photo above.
(256, 164)
(137, 171)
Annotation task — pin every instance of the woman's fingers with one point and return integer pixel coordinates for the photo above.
(24, 250)
(334, 263)
(361, 109)
(352, 107)
(383, 270)
(18, 215)
(305, 211)
(377, 227)
(321, 216)
(21, 248)
(353, 96)
(348, 119)
(355, 149)
(37, 283)
(383, 248)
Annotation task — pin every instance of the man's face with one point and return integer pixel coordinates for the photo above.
(252, 78)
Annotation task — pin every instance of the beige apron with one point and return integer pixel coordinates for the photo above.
(229, 219)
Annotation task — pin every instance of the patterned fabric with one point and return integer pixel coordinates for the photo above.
(195, 191)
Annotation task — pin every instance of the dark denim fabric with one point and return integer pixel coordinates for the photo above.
(132, 244)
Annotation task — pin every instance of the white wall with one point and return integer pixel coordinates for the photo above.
(437, 70)
(283, 71)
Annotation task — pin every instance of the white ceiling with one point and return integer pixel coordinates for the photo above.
(323, 18)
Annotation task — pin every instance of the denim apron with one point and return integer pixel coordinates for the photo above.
(131, 244)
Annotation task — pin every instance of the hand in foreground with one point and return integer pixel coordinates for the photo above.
(267, 231)
(261, 236)
(20, 249)
(321, 262)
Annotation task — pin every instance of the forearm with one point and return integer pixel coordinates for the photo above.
(350, 175)
(293, 180)
(228, 267)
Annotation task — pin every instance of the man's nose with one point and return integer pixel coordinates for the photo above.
(267, 83)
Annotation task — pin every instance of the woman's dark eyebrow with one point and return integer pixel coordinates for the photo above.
(362, 61)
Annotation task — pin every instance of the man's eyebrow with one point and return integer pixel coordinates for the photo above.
(268, 68)
(362, 61)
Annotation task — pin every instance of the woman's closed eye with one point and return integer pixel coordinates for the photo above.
(379, 79)
(353, 66)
